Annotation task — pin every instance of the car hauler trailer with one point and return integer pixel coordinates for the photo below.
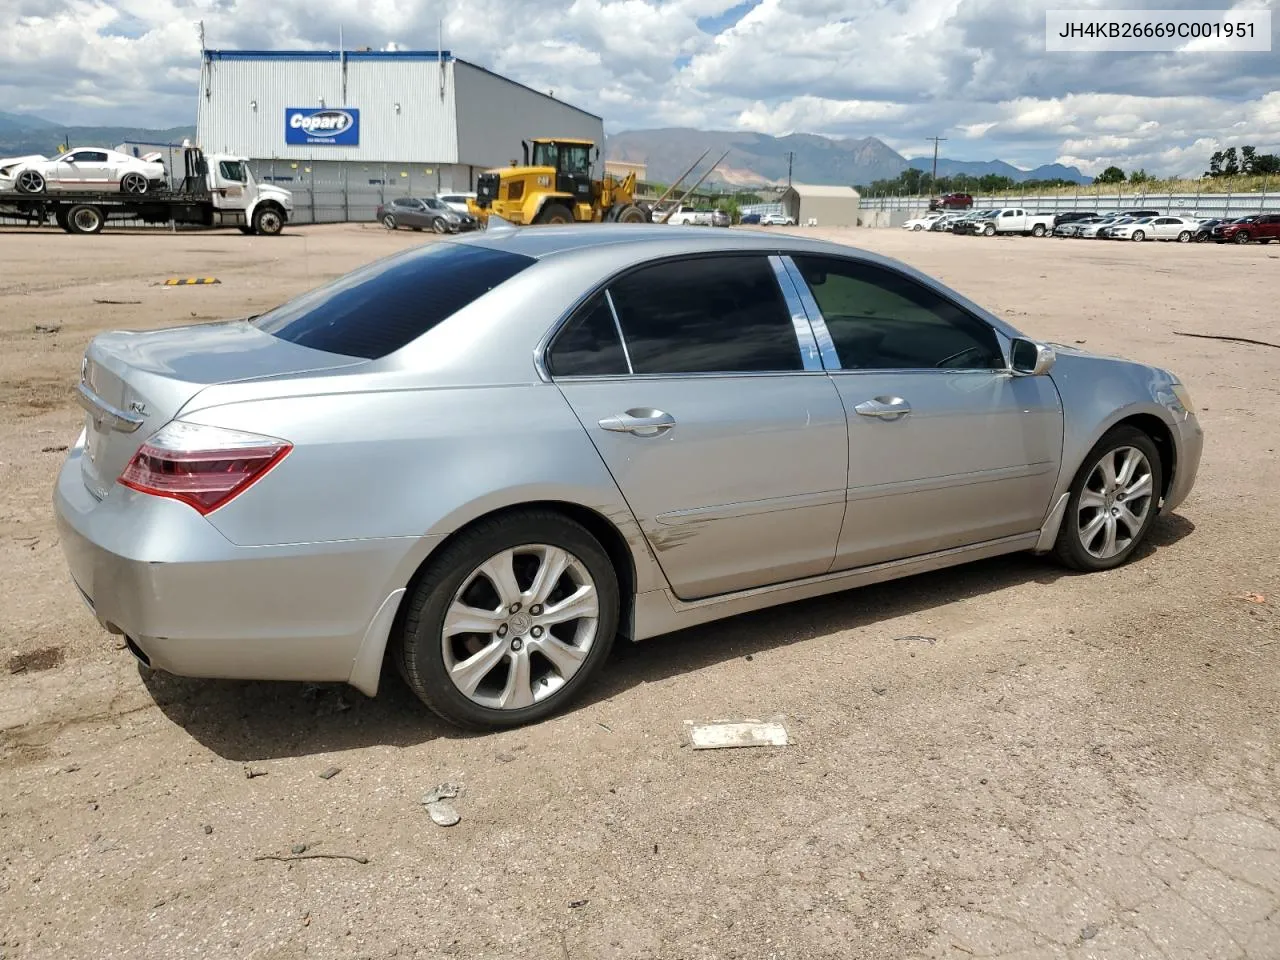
(214, 191)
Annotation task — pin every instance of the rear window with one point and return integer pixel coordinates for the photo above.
(381, 307)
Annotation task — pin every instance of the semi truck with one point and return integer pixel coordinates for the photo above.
(217, 190)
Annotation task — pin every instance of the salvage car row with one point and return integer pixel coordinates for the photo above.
(1135, 225)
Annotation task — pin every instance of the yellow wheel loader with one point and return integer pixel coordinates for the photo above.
(554, 185)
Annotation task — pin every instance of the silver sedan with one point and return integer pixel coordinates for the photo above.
(584, 432)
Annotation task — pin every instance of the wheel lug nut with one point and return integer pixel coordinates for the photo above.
(517, 644)
(537, 631)
(502, 630)
(536, 609)
(515, 608)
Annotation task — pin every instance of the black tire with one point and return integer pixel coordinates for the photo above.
(418, 649)
(1264, 240)
(555, 213)
(632, 214)
(85, 218)
(60, 218)
(134, 184)
(246, 230)
(1242, 237)
(30, 181)
(1069, 549)
(389, 221)
(1038, 230)
(439, 225)
(268, 220)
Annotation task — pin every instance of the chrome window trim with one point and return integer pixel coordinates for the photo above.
(617, 325)
(810, 357)
(714, 375)
(821, 335)
(831, 359)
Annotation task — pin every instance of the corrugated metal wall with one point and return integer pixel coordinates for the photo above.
(333, 191)
(494, 115)
(423, 129)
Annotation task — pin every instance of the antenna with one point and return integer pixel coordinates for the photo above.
(440, 52)
(200, 28)
(342, 64)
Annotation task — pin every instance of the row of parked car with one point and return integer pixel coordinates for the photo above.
(1135, 225)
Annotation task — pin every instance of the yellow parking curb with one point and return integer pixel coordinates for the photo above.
(190, 281)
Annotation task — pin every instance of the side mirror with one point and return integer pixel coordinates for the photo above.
(1031, 359)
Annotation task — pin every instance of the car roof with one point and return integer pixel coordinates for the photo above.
(646, 240)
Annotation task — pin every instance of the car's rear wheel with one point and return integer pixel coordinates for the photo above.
(1184, 236)
(510, 622)
(134, 183)
(30, 181)
(389, 222)
(1037, 230)
(1113, 502)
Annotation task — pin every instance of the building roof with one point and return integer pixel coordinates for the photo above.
(431, 56)
(824, 190)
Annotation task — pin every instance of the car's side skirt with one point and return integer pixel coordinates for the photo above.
(659, 611)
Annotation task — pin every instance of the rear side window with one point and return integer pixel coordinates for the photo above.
(706, 315)
(880, 319)
(381, 307)
(588, 345)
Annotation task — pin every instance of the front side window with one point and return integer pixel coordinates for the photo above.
(706, 315)
(232, 170)
(382, 307)
(880, 319)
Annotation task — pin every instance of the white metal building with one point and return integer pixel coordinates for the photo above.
(346, 129)
(830, 206)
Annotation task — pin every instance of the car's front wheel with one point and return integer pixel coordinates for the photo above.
(510, 622)
(30, 181)
(1113, 502)
(1242, 236)
(389, 221)
(1139, 236)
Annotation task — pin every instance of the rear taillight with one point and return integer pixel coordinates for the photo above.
(203, 466)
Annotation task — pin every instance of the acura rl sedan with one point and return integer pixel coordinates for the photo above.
(583, 432)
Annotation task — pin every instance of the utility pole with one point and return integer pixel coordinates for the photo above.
(790, 157)
(934, 177)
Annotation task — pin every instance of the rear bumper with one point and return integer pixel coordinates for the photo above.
(195, 604)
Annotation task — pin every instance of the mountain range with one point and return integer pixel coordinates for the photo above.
(22, 133)
(758, 159)
(755, 159)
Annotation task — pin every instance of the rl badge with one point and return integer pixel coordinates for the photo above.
(328, 126)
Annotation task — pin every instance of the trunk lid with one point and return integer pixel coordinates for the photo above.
(132, 384)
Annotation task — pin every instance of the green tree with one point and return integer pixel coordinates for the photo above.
(1215, 165)
(1110, 175)
(1230, 163)
(1140, 176)
(1266, 165)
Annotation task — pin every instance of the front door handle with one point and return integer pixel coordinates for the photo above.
(640, 422)
(884, 408)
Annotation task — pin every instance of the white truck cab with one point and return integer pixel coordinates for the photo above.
(239, 200)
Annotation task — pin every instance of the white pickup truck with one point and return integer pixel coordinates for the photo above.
(1017, 220)
(688, 215)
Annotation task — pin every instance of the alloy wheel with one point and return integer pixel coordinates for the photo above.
(520, 626)
(30, 182)
(133, 183)
(1114, 503)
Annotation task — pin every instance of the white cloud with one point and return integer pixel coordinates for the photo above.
(974, 71)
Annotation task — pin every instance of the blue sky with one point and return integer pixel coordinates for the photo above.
(974, 71)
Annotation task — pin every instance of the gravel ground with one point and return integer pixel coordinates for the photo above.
(1076, 767)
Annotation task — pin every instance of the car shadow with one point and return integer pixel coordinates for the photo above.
(254, 721)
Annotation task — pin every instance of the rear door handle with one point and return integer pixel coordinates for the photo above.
(884, 408)
(640, 422)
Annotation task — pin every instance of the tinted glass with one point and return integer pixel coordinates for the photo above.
(89, 156)
(380, 308)
(880, 319)
(706, 315)
(231, 170)
(588, 345)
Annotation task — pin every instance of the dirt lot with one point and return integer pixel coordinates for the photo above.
(1079, 766)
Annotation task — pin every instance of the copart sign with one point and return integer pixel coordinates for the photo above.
(322, 126)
